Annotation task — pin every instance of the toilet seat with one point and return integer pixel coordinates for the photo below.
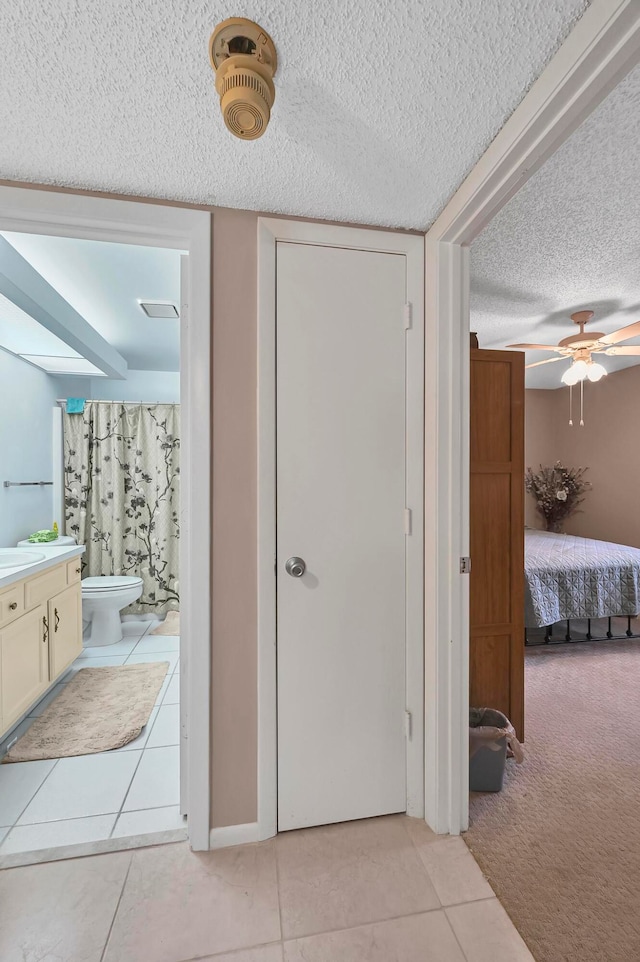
(105, 583)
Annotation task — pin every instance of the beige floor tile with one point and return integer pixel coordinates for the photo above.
(417, 938)
(178, 904)
(455, 874)
(263, 953)
(486, 933)
(60, 910)
(420, 831)
(340, 876)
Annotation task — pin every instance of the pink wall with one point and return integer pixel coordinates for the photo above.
(608, 445)
(234, 750)
(539, 407)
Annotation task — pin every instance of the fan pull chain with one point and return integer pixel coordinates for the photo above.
(571, 405)
(581, 404)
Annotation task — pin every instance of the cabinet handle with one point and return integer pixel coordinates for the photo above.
(77, 571)
(45, 625)
(57, 616)
(13, 606)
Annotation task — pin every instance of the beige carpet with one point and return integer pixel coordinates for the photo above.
(99, 710)
(170, 625)
(561, 843)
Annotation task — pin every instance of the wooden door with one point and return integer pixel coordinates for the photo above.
(341, 476)
(65, 629)
(496, 614)
(24, 664)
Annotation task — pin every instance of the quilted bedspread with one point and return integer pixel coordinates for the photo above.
(569, 577)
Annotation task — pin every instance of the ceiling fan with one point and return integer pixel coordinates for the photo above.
(580, 347)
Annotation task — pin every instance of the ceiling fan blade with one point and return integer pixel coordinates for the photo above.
(623, 334)
(620, 351)
(537, 347)
(548, 360)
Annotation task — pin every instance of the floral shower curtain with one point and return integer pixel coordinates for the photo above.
(122, 494)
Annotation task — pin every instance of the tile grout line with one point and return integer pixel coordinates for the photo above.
(126, 879)
(391, 918)
(15, 823)
(79, 818)
(129, 789)
(277, 863)
(231, 952)
(134, 775)
(455, 934)
(420, 859)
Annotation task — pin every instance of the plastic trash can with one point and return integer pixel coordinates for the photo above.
(488, 737)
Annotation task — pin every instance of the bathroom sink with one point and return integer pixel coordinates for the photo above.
(15, 557)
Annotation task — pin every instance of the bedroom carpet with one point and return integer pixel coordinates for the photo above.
(561, 844)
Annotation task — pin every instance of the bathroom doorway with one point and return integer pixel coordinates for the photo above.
(109, 746)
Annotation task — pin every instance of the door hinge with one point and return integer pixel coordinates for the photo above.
(465, 566)
(407, 317)
(408, 725)
(407, 520)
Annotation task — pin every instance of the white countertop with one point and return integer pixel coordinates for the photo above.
(52, 556)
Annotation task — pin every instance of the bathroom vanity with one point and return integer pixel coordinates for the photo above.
(40, 628)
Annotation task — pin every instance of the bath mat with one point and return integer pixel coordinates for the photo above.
(99, 710)
(170, 625)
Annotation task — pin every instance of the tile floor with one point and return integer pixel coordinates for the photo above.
(373, 891)
(133, 790)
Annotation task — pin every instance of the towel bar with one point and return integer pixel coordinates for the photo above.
(25, 484)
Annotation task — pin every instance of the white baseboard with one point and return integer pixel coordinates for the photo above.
(234, 835)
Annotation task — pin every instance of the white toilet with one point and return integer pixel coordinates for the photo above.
(103, 598)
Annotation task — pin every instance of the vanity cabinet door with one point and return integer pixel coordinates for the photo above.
(24, 664)
(65, 624)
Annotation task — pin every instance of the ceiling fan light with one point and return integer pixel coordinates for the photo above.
(571, 376)
(595, 371)
(580, 369)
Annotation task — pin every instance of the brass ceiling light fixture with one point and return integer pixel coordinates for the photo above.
(244, 59)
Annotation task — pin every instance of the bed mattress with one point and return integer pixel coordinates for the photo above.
(570, 577)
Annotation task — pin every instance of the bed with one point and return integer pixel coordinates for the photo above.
(578, 578)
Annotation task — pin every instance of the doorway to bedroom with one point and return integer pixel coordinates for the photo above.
(93, 559)
(556, 270)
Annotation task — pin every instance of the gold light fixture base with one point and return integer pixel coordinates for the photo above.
(244, 59)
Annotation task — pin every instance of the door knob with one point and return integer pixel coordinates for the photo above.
(295, 567)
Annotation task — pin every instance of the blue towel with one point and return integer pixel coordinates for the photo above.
(75, 405)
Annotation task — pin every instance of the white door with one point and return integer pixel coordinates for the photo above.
(341, 495)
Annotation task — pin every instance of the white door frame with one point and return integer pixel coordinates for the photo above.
(602, 48)
(128, 222)
(270, 231)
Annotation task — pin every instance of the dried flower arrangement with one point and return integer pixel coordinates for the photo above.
(558, 492)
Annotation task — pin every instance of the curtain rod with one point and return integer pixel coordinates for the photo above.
(63, 400)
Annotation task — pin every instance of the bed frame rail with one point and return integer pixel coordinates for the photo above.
(562, 635)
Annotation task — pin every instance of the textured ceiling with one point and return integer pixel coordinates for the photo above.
(381, 108)
(569, 240)
(103, 283)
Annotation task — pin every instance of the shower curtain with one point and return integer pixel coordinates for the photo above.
(122, 494)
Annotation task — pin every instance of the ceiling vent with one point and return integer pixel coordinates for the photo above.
(244, 59)
(159, 308)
